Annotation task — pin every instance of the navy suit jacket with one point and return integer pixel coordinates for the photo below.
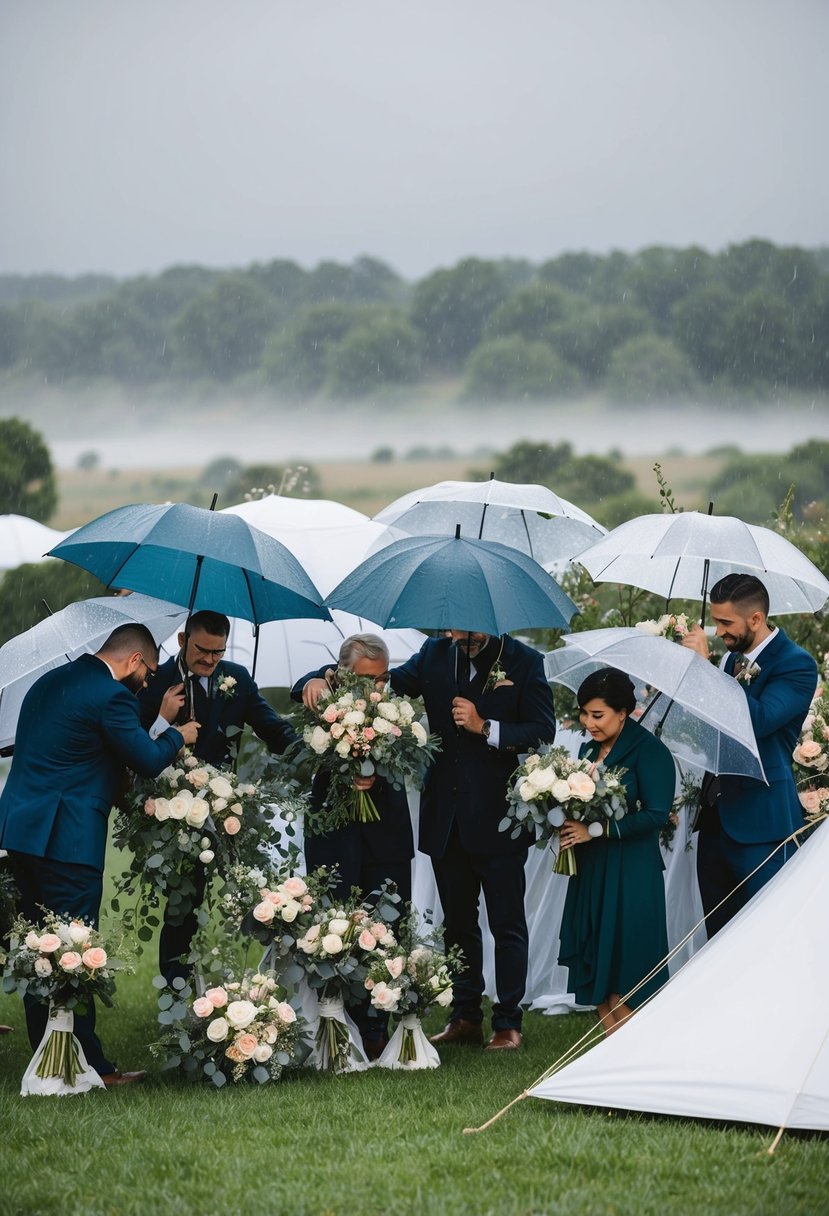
(247, 707)
(78, 731)
(778, 701)
(468, 782)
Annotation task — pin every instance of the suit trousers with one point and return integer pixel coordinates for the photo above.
(460, 877)
(722, 863)
(174, 940)
(69, 890)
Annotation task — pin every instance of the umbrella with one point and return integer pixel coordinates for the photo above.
(79, 628)
(198, 558)
(24, 540)
(443, 582)
(527, 517)
(673, 555)
(328, 539)
(700, 712)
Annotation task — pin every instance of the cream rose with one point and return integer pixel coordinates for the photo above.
(366, 940)
(318, 740)
(43, 968)
(338, 925)
(561, 791)
(70, 961)
(220, 786)
(264, 912)
(179, 806)
(262, 1053)
(290, 911)
(332, 943)
(197, 813)
(162, 809)
(583, 787)
(32, 940)
(232, 825)
(394, 966)
(286, 1013)
(810, 801)
(218, 1030)
(385, 997)
(246, 1045)
(295, 886)
(203, 1007)
(206, 856)
(419, 733)
(240, 1014)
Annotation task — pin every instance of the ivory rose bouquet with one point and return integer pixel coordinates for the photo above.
(671, 625)
(551, 786)
(359, 730)
(237, 1030)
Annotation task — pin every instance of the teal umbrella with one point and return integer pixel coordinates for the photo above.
(445, 582)
(196, 558)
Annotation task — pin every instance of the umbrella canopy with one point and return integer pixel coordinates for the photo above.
(195, 557)
(701, 713)
(667, 554)
(24, 540)
(329, 540)
(526, 517)
(79, 628)
(442, 582)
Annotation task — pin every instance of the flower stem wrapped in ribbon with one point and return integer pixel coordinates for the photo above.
(550, 787)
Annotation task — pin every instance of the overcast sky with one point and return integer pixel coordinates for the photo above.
(138, 134)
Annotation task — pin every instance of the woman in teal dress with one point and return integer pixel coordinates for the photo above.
(613, 930)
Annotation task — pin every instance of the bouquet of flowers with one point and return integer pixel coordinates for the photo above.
(811, 757)
(358, 730)
(64, 964)
(412, 976)
(238, 1030)
(280, 915)
(191, 814)
(551, 786)
(671, 625)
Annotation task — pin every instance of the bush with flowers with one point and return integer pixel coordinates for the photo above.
(551, 786)
(359, 730)
(236, 1030)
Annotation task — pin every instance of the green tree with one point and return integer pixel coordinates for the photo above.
(659, 278)
(527, 461)
(296, 361)
(649, 368)
(27, 479)
(514, 369)
(222, 332)
(699, 327)
(751, 486)
(588, 336)
(529, 312)
(372, 355)
(451, 307)
(23, 591)
(758, 334)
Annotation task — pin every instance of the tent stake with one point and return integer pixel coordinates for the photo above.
(470, 1131)
(776, 1141)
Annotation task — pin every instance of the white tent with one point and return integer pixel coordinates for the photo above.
(742, 1031)
(25, 540)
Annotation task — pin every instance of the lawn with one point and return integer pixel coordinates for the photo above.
(375, 1143)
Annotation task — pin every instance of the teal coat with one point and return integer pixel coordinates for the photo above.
(613, 930)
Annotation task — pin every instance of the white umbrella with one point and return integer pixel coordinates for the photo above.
(25, 540)
(681, 557)
(700, 713)
(79, 628)
(527, 517)
(329, 539)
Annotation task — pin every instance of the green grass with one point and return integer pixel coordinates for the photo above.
(374, 1143)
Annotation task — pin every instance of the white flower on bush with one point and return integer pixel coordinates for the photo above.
(218, 1030)
(240, 1014)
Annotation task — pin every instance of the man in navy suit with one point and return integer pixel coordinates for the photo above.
(198, 684)
(488, 699)
(746, 820)
(78, 731)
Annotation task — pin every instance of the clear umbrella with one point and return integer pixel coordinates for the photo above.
(698, 711)
(682, 556)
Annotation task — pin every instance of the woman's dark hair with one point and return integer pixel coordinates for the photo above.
(611, 686)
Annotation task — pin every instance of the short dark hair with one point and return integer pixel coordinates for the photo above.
(608, 684)
(126, 639)
(214, 623)
(741, 589)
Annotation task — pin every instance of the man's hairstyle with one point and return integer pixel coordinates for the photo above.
(126, 639)
(743, 591)
(214, 623)
(610, 685)
(362, 646)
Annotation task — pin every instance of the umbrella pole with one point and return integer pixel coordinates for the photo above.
(255, 648)
(705, 570)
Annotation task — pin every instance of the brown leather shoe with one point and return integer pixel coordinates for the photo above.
(122, 1078)
(459, 1030)
(374, 1048)
(504, 1040)
(6, 1029)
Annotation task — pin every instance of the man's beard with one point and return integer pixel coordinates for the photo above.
(133, 682)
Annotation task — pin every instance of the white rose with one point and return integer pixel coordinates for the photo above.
(206, 856)
(217, 1030)
(382, 727)
(43, 967)
(178, 807)
(419, 733)
(319, 740)
(197, 813)
(262, 1053)
(308, 944)
(387, 709)
(532, 761)
(162, 809)
(544, 778)
(652, 628)
(526, 792)
(561, 791)
(385, 997)
(240, 1014)
(220, 786)
(354, 717)
(290, 911)
(32, 940)
(78, 933)
(444, 998)
(332, 944)
(406, 711)
(338, 925)
(583, 787)
(343, 748)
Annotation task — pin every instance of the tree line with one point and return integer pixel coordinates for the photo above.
(660, 323)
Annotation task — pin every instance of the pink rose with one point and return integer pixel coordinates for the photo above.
(367, 940)
(396, 731)
(307, 903)
(246, 1045)
(294, 886)
(330, 714)
(264, 912)
(369, 733)
(807, 751)
(48, 943)
(149, 806)
(217, 997)
(232, 825)
(809, 800)
(286, 1013)
(378, 929)
(394, 966)
(94, 958)
(276, 898)
(376, 696)
(203, 1007)
(70, 961)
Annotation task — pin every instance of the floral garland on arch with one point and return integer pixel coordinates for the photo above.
(64, 964)
(192, 815)
(359, 730)
(551, 786)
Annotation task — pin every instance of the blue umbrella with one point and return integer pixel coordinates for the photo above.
(196, 558)
(444, 582)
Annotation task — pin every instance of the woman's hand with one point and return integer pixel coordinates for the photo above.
(363, 783)
(572, 833)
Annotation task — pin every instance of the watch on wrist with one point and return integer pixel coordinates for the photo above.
(486, 728)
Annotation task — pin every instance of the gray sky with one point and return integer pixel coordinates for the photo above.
(137, 134)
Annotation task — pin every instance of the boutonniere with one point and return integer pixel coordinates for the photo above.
(748, 673)
(227, 687)
(497, 677)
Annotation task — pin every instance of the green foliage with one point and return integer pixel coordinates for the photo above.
(586, 480)
(451, 308)
(23, 590)
(222, 332)
(291, 481)
(27, 479)
(529, 312)
(649, 368)
(371, 355)
(515, 369)
(614, 509)
(752, 486)
(588, 336)
(297, 361)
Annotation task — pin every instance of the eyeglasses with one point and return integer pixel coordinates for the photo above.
(212, 654)
(151, 672)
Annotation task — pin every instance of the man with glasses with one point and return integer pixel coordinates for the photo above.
(199, 684)
(78, 731)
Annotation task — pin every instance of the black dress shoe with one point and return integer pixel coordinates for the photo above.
(459, 1030)
(122, 1078)
(374, 1048)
